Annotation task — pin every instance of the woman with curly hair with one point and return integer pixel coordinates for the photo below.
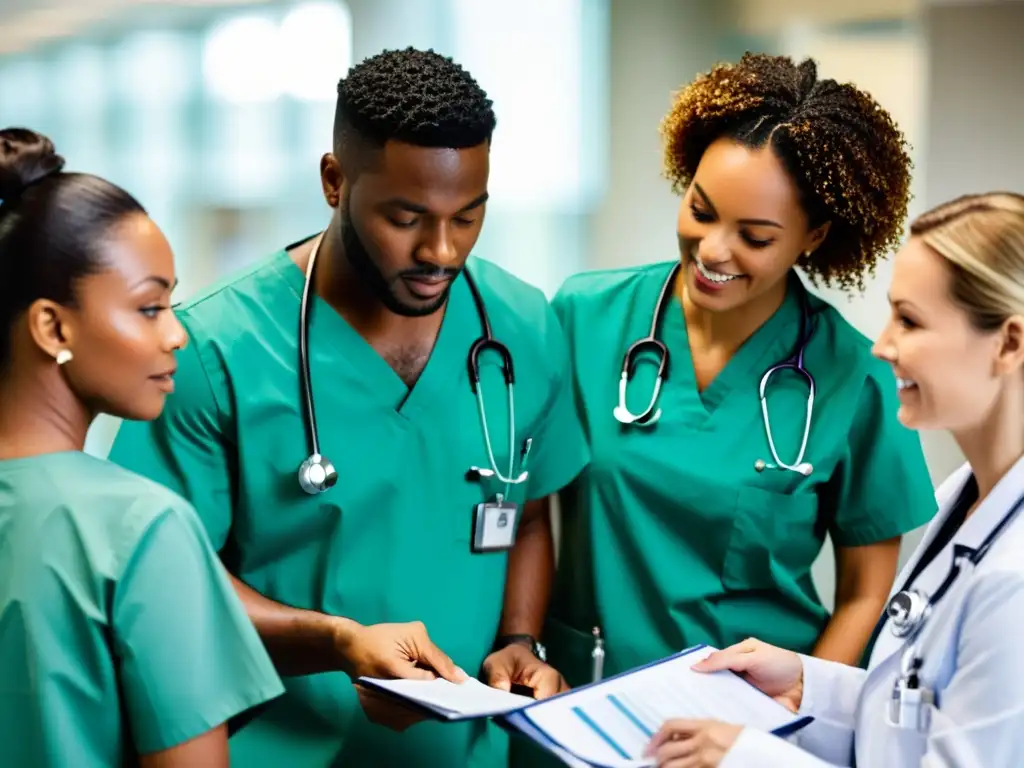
(700, 522)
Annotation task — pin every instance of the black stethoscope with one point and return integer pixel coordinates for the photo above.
(652, 413)
(317, 474)
(908, 612)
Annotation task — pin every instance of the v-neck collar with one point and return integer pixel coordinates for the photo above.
(985, 517)
(768, 345)
(327, 326)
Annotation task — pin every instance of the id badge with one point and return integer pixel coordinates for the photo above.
(494, 526)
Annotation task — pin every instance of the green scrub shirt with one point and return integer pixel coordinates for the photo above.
(119, 630)
(391, 541)
(671, 537)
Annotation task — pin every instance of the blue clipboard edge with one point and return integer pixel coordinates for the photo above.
(510, 721)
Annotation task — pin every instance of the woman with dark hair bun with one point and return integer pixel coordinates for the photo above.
(121, 639)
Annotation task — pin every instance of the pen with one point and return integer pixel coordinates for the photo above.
(525, 452)
(597, 655)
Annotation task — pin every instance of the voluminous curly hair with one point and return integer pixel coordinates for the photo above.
(844, 152)
(417, 97)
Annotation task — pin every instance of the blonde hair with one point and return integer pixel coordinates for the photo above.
(982, 238)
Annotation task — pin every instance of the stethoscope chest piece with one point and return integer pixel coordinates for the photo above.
(907, 612)
(317, 474)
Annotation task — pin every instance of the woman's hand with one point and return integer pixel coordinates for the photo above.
(774, 671)
(692, 743)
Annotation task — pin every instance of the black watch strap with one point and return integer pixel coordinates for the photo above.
(538, 650)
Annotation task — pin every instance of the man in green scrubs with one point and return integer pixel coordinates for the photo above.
(335, 582)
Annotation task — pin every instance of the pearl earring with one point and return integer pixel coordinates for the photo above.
(64, 356)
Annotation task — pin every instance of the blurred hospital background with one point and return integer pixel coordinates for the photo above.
(215, 112)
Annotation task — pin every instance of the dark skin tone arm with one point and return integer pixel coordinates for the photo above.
(864, 576)
(531, 567)
(299, 642)
(302, 642)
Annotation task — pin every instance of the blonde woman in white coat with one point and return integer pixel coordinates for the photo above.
(951, 694)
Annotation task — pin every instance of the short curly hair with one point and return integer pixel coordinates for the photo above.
(847, 157)
(413, 96)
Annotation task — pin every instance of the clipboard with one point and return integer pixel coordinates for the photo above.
(521, 723)
(604, 724)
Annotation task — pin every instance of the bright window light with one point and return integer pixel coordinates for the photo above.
(242, 60)
(535, 162)
(253, 58)
(153, 67)
(316, 40)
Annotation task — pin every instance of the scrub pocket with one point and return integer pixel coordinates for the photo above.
(569, 651)
(769, 528)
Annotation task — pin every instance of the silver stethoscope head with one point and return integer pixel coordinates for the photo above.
(907, 611)
(317, 474)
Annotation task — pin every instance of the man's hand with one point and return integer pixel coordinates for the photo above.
(386, 711)
(392, 651)
(516, 665)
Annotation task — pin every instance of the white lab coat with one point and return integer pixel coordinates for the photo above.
(973, 649)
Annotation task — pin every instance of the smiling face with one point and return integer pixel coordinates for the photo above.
(741, 227)
(949, 373)
(410, 218)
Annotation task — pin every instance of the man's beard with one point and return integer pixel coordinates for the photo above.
(363, 264)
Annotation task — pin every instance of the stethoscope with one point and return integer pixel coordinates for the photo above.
(908, 612)
(652, 413)
(317, 474)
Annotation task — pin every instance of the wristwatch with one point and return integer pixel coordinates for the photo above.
(536, 648)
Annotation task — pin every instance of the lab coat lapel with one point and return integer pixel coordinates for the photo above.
(945, 497)
(971, 534)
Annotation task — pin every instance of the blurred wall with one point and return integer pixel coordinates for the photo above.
(973, 121)
(653, 52)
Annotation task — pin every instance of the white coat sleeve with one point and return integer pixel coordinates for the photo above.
(831, 692)
(979, 720)
(767, 751)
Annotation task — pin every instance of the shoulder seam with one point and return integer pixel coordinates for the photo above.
(198, 301)
(194, 321)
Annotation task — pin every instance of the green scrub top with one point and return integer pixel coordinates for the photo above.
(391, 541)
(671, 536)
(119, 631)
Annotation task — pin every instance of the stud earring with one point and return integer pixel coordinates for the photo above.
(64, 356)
